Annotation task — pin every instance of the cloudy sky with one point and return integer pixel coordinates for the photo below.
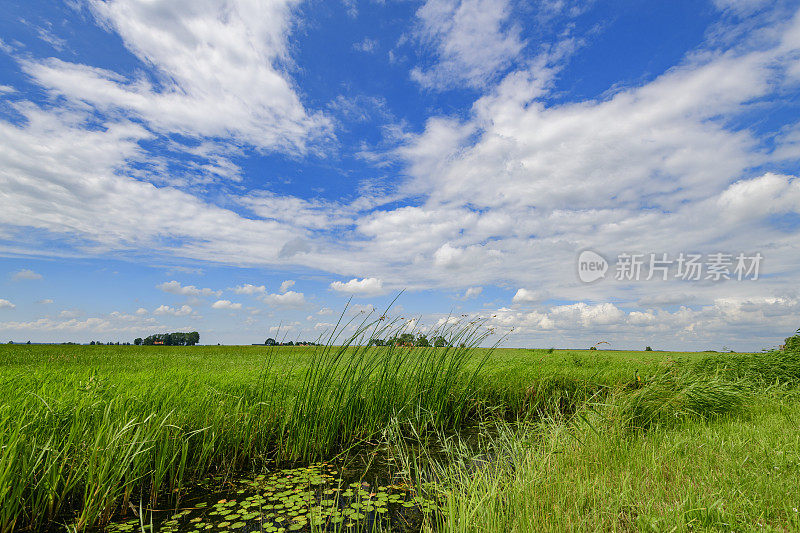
(229, 166)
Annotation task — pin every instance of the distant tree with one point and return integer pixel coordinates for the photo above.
(648, 349)
(173, 339)
(440, 342)
(192, 338)
(422, 341)
(137, 341)
(270, 342)
(406, 339)
(28, 342)
(593, 348)
(290, 343)
(91, 343)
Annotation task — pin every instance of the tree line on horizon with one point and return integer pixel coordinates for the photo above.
(409, 339)
(273, 342)
(169, 339)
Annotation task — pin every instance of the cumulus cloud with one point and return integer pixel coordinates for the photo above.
(25, 274)
(756, 320)
(114, 323)
(250, 289)
(167, 310)
(359, 287)
(289, 299)
(46, 301)
(226, 304)
(523, 296)
(5, 304)
(752, 199)
(175, 287)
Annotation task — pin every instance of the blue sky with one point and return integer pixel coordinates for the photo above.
(229, 166)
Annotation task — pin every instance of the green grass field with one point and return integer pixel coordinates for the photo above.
(590, 440)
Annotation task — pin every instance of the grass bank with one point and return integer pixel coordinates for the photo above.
(709, 445)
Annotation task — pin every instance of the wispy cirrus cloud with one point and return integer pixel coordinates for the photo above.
(474, 40)
(217, 71)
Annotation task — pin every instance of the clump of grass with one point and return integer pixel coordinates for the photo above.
(759, 370)
(352, 390)
(674, 395)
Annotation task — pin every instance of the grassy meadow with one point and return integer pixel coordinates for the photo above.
(580, 440)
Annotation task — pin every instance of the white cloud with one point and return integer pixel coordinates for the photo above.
(742, 7)
(114, 323)
(226, 304)
(523, 296)
(755, 198)
(218, 71)
(325, 311)
(25, 274)
(5, 304)
(251, 289)
(141, 311)
(472, 292)
(367, 45)
(290, 299)
(46, 301)
(286, 285)
(661, 165)
(54, 158)
(359, 287)
(174, 287)
(167, 310)
(742, 322)
(473, 39)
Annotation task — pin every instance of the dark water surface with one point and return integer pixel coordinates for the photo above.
(367, 490)
(360, 495)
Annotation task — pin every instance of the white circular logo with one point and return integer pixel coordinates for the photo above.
(591, 266)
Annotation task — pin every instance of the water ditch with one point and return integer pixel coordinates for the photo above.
(369, 488)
